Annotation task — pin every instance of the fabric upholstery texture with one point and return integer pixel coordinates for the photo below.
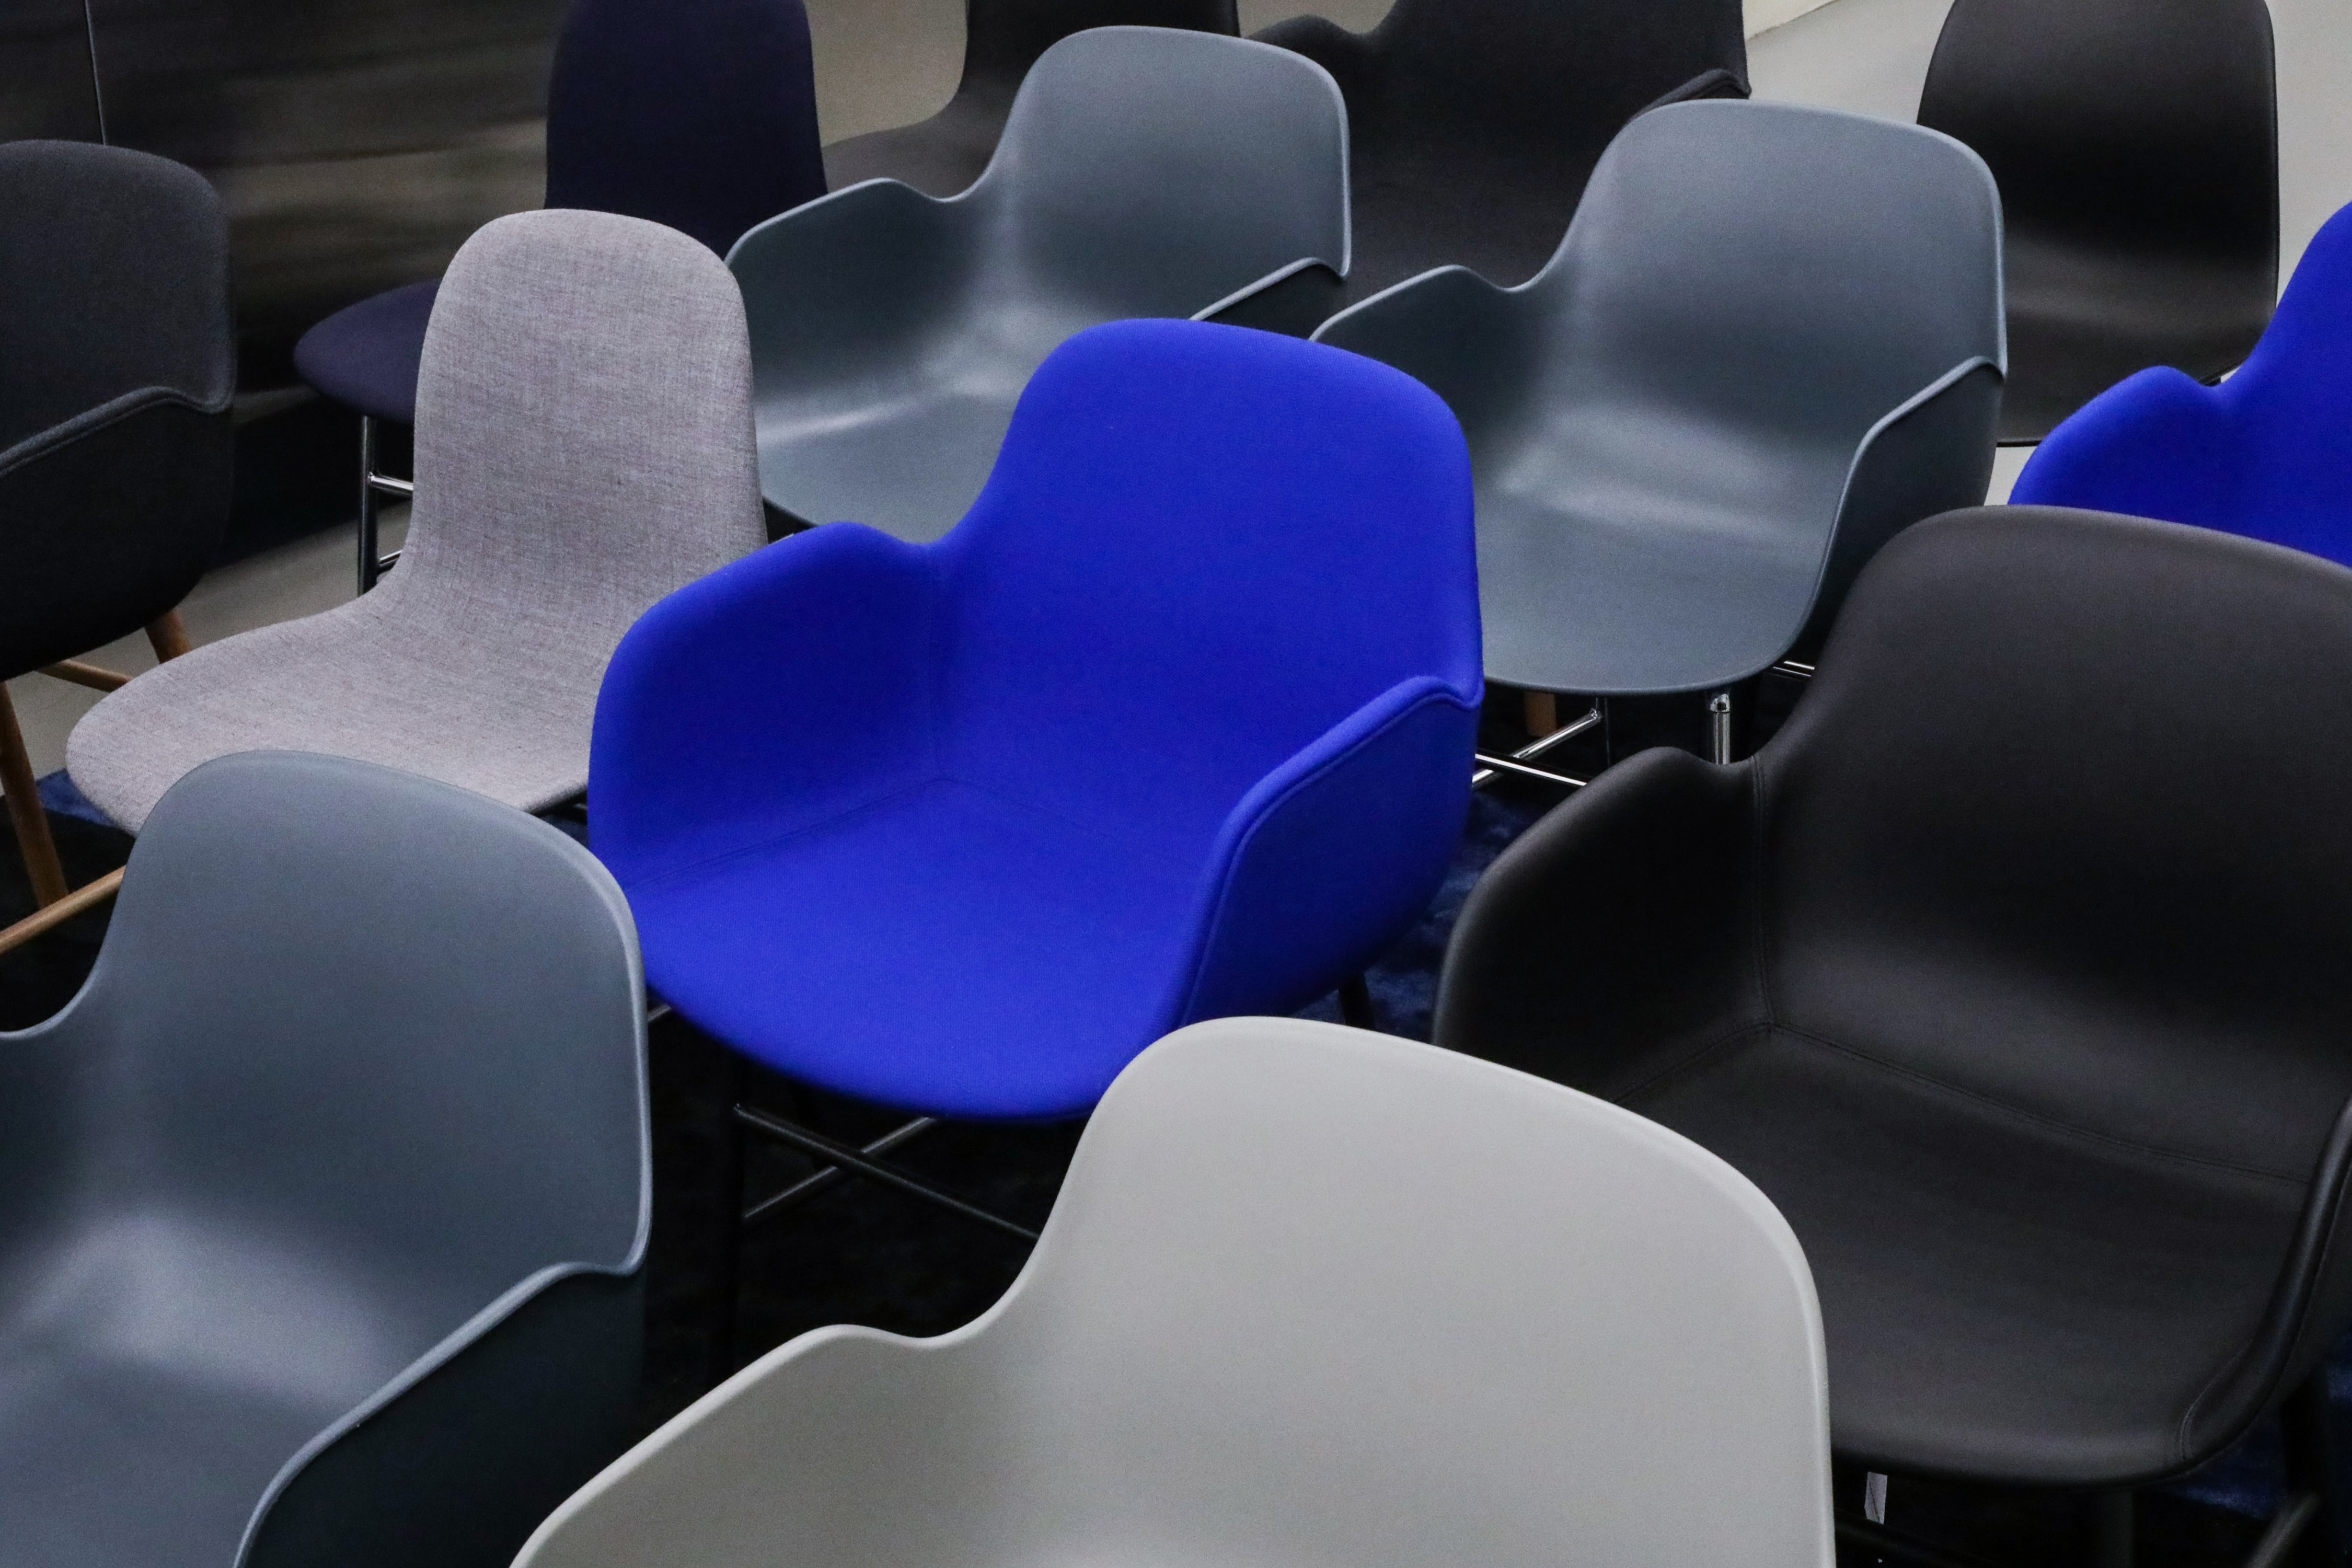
(1176, 724)
(583, 447)
(1145, 172)
(340, 1130)
(1475, 123)
(699, 114)
(2137, 146)
(116, 364)
(1252, 1334)
(2008, 971)
(1003, 38)
(2264, 454)
(1771, 338)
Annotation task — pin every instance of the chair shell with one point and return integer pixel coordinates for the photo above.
(1178, 723)
(1144, 171)
(1475, 123)
(2007, 971)
(1003, 38)
(117, 362)
(585, 447)
(1286, 1311)
(322, 1207)
(1771, 338)
(2263, 454)
(2135, 142)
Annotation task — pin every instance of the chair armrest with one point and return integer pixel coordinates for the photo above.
(1330, 860)
(846, 1444)
(1293, 301)
(106, 521)
(837, 283)
(781, 689)
(1612, 930)
(1931, 454)
(457, 1461)
(1345, 54)
(1713, 82)
(2147, 446)
(1450, 330)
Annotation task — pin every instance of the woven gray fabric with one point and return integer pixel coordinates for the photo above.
(583, 447)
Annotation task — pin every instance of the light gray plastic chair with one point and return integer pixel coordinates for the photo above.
(322, 1207)
(1144, 171)
(1771, 339)
(1310, 1297)
(583, 447)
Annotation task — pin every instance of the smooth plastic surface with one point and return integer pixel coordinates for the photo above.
(1771, 338)
(2267, 454)
(1309, 1296)
(2137, 146)
(2009, 970)
(1475, 123)
(1177, 723)
(1144, 171)
(117, 362)
(1003, 38)
(347, 1126)
(584, 446)
(697, 114)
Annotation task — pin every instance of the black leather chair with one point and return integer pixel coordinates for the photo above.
(2013, 971)
(1003, 38)
(1474, 123)
(2135, 144)
(117, 364)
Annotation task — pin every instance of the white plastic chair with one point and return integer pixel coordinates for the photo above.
(1310, 1296)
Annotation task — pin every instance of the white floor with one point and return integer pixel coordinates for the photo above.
(888, 62)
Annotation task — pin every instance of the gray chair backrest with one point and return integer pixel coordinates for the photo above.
(1794, 271)
(1139, 160)
(1309, 1296)
(88, 309)
(584, 430)
(369, 1045)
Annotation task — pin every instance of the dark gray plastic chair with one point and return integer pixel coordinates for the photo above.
(1003, 38)
(1772, 339)
(322, 1207)
(1145, 172)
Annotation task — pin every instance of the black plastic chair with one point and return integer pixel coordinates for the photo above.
(323, 1207)
(2012, 970)
(1475, 123)
(116, 364)
(1003, 38)
(2135, 144)
(699, 114)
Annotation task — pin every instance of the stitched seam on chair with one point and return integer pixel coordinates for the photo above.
(1715, 1046)
(2017, 1113)
(676, 873)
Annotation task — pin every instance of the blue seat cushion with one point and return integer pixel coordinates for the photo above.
(365, 355)
(1033, 957)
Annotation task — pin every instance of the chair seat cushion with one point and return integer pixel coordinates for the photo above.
(487, 707)
(2005, 1298)
(943, 948)
(365, 356)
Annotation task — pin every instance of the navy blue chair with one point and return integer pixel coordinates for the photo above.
(700, 114)
(1176, 724)
(2263, 454)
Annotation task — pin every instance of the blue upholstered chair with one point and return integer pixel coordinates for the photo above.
(2267, 453)
(700, 114)
(1177, 723)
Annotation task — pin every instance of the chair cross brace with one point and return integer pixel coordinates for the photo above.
(855, 1161)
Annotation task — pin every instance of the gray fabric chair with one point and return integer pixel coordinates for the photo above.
(1144, 171)
(322, 1207)
(1309, 1296)
(584, 448)
(1771, 338)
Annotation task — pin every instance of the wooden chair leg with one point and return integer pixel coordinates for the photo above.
(32, 824)
(167, 636)
(1542, 710)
